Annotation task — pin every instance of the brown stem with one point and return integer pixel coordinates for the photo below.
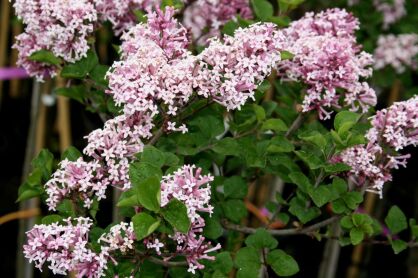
(295, 125)
(284, 232)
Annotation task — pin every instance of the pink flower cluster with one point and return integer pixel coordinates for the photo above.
(328, 59)
(189, 186)
(392, 10)
(79, 177)
(392, 129)
(230, 71)
(121, 13)
(116, 144)
(156, 69)
(398, 51)
(65, 248)
(62, 27)
(211, 15)
(121, 238)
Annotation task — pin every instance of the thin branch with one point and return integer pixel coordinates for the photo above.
(295, 125)
(156, 136)
(167, 264)
(283, 232)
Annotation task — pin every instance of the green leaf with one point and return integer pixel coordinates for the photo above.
(396, 220)
(66, 208)
(71, 153)
(223, 262)
(346, 222)
(27, 191)
(280, 144)
(235, 187)
(398, 246)
(98, 74)
(248, 262)
(175, 212)
(49, 219)
(286, 55)
(337, 188)
(262, 9)
(320, 195)
(153, 156)
(313, 161)
(234, 210)
(344, 121)
(149, 193)
(275, 125)
(144, 225)
(45, 56)
(260, 113)
(213, 228)
(76, 93)
(230, 27)
(356, 236)
(227, 146)
(314, 137)
(140, 171)
(360, 219)
(44, 161)
(261, 239)
(337, 168)
(282, 263)
(81, 68)
(301, 181)
(353, 199)
(338, 206)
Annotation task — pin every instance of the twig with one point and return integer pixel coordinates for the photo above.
(295, 125)
(284, 232)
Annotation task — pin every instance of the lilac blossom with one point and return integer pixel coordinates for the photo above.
(116, 145)
(397, 51)
(392, 11)
(188, 185)
(121, 13)
(62, 27)
(65, 248)
(121, 238)
(212, 15)
(230, 71)
(392, 129)
(328, 59)
(85, 179)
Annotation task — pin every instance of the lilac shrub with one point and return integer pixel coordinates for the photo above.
(191, 129)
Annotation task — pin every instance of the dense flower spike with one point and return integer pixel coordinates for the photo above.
(397, 51)
(392, 11)
(212, 15)
(230, 71)
(189, 186)
(396, 126)
(327, 59)
(61, 27)
(84, 179)
(194, 247)
(120, 238)
(157, 68)
(392, 129)
(116, 144)
(121, 13)
(65, 248)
